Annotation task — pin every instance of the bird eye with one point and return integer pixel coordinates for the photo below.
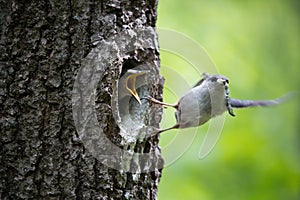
(214, 79)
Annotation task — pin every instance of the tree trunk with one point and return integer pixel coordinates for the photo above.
(68, 128)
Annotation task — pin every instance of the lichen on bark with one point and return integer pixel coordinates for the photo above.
(43, 44)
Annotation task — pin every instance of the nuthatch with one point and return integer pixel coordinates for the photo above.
(207, 99)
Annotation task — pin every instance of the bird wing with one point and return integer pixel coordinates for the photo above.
(199, 82)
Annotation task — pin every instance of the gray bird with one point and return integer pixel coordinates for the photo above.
(207, 99)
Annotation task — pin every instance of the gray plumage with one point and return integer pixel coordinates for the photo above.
(207, 99)
(237, 103)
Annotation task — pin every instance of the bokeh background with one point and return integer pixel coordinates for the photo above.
(256, 44)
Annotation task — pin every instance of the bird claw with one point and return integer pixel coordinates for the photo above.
(153, 100)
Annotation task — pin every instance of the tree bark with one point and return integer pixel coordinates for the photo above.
(44, 50)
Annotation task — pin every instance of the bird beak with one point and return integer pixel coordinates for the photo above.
(222, 81)
(130, 85)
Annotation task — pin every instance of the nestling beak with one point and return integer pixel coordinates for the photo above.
(131, 83)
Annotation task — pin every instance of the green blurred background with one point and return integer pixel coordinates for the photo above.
(256, 44)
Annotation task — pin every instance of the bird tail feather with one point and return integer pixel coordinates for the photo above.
(237, 103)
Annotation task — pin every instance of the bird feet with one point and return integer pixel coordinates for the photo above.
(155, 101)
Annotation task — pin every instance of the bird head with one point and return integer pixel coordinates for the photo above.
(219, 84)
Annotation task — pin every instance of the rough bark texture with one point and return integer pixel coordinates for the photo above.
(43, 43)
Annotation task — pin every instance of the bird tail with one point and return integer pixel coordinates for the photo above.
(236, 103)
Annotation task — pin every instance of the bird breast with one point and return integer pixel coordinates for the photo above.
(200, 104)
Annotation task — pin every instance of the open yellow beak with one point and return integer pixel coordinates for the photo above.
(130, 85)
